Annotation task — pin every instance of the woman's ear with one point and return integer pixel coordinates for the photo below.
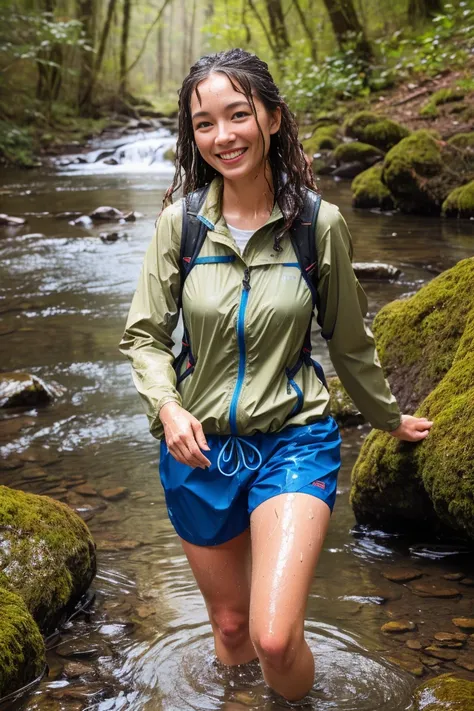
(275, 121)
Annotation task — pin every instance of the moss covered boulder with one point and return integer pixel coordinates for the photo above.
(22, 652)
(47, 555)
(425, 344)
(445, 693)
(462, 140)
(460, 202)
(25, 390)
(320, 138)
(421, 171)
(375, 129)
(369, 191)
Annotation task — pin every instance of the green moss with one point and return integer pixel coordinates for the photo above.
(462, 140)
(421, 171)
(369, 191)
(47, 553)
(460, 202)
(16, 145)
(374, 129)
(445, 693)
(442, 96)
(356, 151)
(22, 652)
(322, 138)
(342, 408)
(425, 344)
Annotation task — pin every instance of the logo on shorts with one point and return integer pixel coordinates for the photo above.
(319, 484)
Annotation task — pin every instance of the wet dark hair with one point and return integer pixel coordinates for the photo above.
(290, 170)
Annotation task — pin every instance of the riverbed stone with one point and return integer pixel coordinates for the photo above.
(25, 390)
(47, 554)
(22, 651)
(85, 490)
(398, 626)
(425, 344)
(447, 655)
(460, 202)
(414, 644)
(465, 623)
(376, 271)
(409, 664)
(453, 576)
(115, 493)
(466, 661)
(402, 575)
(8, 220)
(343, 409)
(443, 693)
(434, 590)
(105, 212)
(467, 582)
(73, 670)
(450, 639)
(80, 649)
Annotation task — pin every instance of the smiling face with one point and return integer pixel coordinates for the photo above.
(225, 129)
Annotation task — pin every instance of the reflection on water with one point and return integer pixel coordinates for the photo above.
(147, 643)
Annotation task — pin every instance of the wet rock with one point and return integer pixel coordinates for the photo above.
(111, 516)
(110, 161)
(453, 576)
(447, 655)
(11, 221)
(57, 491)
(80, 649)
(429, 661)
(12, 463)
(106, 212)
(25, 390)
(414, 644)
(70, 215)
(47, 555)
(468, 582)
(131, 216)
(115, 546)
(85, 490)
(22, 651)
(135, 495)
(466, 661)
(109, 236)
(34, 235)
(34, 474)
(114, 494)
(465, 623)
(376, 271)
(343, 409)
(398, 626)
(86, 693)
(145, 611)
(450, 639)
(409, 664)
(445, 692)
(402, 575)
(73, 670)
(349, 170)
(434, 590)
(9, 427)
(41, 455)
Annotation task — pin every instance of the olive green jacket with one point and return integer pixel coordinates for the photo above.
(246, 344)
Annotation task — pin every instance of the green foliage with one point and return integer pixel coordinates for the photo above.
(16, 145)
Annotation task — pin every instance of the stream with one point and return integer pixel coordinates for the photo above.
(146, 643)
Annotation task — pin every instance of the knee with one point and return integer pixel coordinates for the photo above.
(232, 626)
(276, 650)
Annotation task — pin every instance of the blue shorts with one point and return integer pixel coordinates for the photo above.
(211, 506)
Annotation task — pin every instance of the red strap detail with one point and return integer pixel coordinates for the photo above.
(186, 259)
(311, 266)
(306, 350)
(185, 344)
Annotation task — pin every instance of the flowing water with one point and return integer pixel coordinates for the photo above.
(146, 643)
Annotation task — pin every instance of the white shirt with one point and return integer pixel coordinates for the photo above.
(241, 236)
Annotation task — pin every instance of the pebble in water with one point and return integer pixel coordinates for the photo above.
(402, 575)
(434, 590)
(398, 626)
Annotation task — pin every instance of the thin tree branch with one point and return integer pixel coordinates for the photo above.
(262, 24)
(149, 31)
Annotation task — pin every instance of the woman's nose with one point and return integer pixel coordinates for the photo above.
(225, 133)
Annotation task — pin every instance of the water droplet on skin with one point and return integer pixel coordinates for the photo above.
(301, 557)
(311, 516)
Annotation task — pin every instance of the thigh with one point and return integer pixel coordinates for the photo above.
(288, 533)
(223, 573)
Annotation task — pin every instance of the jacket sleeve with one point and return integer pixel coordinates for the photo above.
(342, 308)
(153, 316)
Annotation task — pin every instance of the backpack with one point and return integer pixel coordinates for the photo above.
(302, 235)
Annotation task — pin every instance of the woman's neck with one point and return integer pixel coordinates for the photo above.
(248, 203)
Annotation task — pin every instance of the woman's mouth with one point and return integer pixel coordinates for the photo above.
(232, 156)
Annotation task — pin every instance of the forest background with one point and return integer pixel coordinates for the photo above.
(68, 68)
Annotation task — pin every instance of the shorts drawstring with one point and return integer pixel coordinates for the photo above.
(234, 450)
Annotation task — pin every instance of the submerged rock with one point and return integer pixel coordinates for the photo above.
(22, 651)
(445, 693)
(47, 555)
(106, 213)
(25, 390)
(11, 221)
(376, 271)
(425, 344)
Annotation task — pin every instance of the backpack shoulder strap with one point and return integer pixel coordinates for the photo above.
(303, 238)
(193, 231)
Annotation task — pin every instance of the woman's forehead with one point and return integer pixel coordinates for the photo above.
(216, 88)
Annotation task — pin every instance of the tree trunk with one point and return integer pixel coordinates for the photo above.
(87, 95)
(49, 76)
(160, 58)
(277, 26)
(419, 10)
(86, 13)
(190, 50)
(127, 8)
(347, 28)
(307, 30)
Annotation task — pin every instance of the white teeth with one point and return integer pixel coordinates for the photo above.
(234, 154)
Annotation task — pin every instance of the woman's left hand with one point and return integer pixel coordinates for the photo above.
(412, 429)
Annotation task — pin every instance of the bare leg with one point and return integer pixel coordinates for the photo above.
(288, 532)
(223, 575)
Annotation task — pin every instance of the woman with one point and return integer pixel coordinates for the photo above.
(249, 455)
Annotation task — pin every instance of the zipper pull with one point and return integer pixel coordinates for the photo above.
(246, 280)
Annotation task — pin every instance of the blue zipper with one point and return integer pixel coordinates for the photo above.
(241, 342)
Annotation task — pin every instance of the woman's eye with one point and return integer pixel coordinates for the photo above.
(240, 114)
(203, 124)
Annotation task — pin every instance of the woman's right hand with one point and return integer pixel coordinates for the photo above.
(184, 436)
